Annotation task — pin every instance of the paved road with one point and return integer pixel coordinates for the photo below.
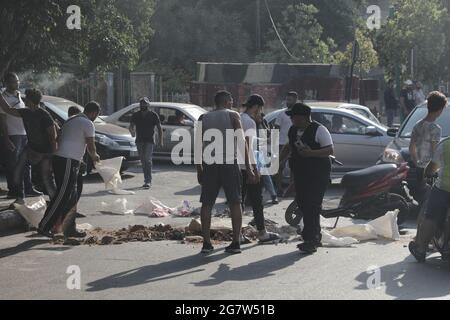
(31, 268)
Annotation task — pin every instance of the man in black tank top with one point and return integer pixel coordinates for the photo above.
(310, 146)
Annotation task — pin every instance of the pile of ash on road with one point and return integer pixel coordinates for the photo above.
(138, 233)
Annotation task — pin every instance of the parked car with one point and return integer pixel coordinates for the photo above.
(111, 140)
(358, 141)
(167, 114)
(398, 150)
(364, 111)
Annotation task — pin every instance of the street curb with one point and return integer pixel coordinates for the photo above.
(11, 221)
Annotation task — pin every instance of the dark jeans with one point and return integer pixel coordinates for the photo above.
(146, 155)
(12, 160)
(41, 161)
(254, 193)
(418, 191)
(391, 114)
(438, 204)
(310, 188)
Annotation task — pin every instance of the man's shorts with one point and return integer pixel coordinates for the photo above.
(226, 176)
(438, 204)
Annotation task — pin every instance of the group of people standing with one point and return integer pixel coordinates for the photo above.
(308, 143)
(411, 96)
(31, 137)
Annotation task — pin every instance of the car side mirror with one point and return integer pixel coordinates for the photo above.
(392, 132)
(371, 131)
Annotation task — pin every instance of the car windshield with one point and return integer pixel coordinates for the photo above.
(420, 113)
(62, 109)
(195, 112)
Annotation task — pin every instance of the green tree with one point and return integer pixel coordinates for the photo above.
(302, 35)
(418, 24)
(34, 36)
(368, 56)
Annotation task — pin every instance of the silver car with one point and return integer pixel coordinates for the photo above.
(358, 141)
(362, 110)
(168, 114)
(111, 141)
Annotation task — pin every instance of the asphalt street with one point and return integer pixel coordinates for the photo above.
(32, 268)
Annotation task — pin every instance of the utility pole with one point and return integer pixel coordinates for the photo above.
(258, 26)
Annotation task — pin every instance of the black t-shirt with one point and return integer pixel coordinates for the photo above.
(145, 126)
(408, 95)
(36, 124)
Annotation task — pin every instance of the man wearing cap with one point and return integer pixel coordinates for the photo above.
(142, 126)
(407, 101)
(253, 107)
(310, 146)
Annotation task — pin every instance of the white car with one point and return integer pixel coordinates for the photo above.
(362, 110)
(358, 141)
(167, 113)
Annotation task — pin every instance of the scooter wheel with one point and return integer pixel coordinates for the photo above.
(294, 215)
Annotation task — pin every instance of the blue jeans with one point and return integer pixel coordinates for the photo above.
(12, 161)
(146, 155)
(268, 185)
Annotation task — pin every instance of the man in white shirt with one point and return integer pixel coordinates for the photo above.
(76, 134)
(253, 107)
(284, 123)
(15, 140)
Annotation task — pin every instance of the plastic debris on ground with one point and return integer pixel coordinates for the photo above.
(34, 213)
(384, 227)
(332, 241)
(109, 170)
(119, 207)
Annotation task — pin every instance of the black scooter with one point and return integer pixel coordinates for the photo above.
(367, 195)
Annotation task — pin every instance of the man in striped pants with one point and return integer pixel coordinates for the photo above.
(76, 134)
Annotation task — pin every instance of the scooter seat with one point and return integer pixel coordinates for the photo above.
(365, 177)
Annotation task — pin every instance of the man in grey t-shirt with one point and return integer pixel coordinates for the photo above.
(425, 137)
(76, 134)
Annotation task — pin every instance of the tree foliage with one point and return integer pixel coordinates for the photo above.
(419, 24)
(34, 34)
(368, 56)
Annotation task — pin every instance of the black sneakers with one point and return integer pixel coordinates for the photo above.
(234, 248)
(307, 248)
(414, 249)
(207, 248)
(147, 186)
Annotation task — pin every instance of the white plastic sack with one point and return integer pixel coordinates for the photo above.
(387, 226)
(332, 241)
(109, 170)
(33, 214)
(119, 206)
(360, 232)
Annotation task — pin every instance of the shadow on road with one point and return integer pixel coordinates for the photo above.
(25, 246)
(159, 272)
(253, 271)
(409, 280)
(190, 192)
